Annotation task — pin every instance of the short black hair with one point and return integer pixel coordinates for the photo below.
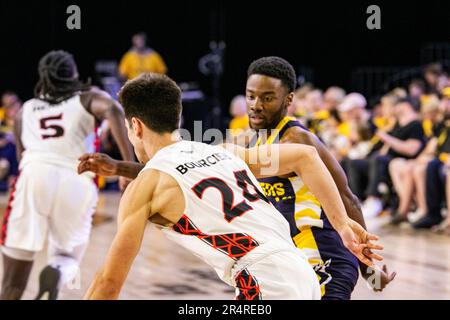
(274, 67)
(413, 102)
(155, 99)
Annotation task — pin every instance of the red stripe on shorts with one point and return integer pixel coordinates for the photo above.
(8, 211)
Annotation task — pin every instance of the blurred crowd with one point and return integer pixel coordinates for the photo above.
(395, 150)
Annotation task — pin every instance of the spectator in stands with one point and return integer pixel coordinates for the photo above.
(408, 175)
(352, 111)
(416, 88)
(316, 113)
(436, 172)
(299, 100)
(140, 58)
(432, 116)
(360, 138)
(432, 73)
(10, 105)
(386, 120)
(405, 141)
(443, 82)
(337, 143)
(332, 98)
(8, 162)
(238, 111)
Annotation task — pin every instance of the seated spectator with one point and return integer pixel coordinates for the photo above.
(361, 142)
(336, 142)
(435, 177)
(432, 74)
(352, 111)
(10, 105)
(299, 100)
(238, 110)
(8, 162)
(140, 59)
(416, 88)
(405, 141)
(443, 82)
(386, 120)
(432, 116)
(332, 98)
(316, 113)
(408, 178)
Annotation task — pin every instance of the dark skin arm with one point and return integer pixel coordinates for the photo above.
(104, 165)
(17, 130)
(351, 202)
(103, 107)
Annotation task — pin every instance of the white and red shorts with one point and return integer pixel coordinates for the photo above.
(282, 275)
(49, 201)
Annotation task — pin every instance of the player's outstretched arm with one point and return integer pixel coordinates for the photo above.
(351, 201)
(281, 159)
(134, 211)
(103, 165)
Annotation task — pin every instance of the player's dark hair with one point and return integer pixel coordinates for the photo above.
(58, 77)
(274, 67)
(155, 99)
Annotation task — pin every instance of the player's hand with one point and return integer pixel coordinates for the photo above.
(358, 241)
(378, 279)
(98, 163)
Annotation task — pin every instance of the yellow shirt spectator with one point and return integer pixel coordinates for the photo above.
(134, 63)
(238, 110)
(239, 124)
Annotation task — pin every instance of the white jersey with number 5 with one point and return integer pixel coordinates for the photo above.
(226, 213)
(56, 133)
(49, 199)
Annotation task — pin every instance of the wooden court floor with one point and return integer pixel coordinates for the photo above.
(165, 271)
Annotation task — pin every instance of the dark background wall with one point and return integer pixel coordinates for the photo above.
(331, 38)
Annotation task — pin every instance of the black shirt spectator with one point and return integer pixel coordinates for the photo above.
(412, 130)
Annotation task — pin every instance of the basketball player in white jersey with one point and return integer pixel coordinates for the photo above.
(49, 199)
(208, 201)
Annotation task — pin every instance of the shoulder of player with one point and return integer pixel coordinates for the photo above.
(141, 190)
(86, 97)
(297, 135)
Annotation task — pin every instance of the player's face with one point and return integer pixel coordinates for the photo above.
(134, 132)
(267, 100)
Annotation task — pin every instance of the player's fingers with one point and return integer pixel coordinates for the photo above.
(84, 157)
(365, 260)
(375, 256)
(83, 167)
(392, 276)
(385, 269)
(373, 246)
(358, 250)
(371, 236)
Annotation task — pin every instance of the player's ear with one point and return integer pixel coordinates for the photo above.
(137, 127)
(289, 99)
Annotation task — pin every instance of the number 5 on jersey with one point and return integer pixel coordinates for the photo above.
(51, 127)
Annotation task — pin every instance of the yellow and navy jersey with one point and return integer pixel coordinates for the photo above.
(290, 195)
(335, 266)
